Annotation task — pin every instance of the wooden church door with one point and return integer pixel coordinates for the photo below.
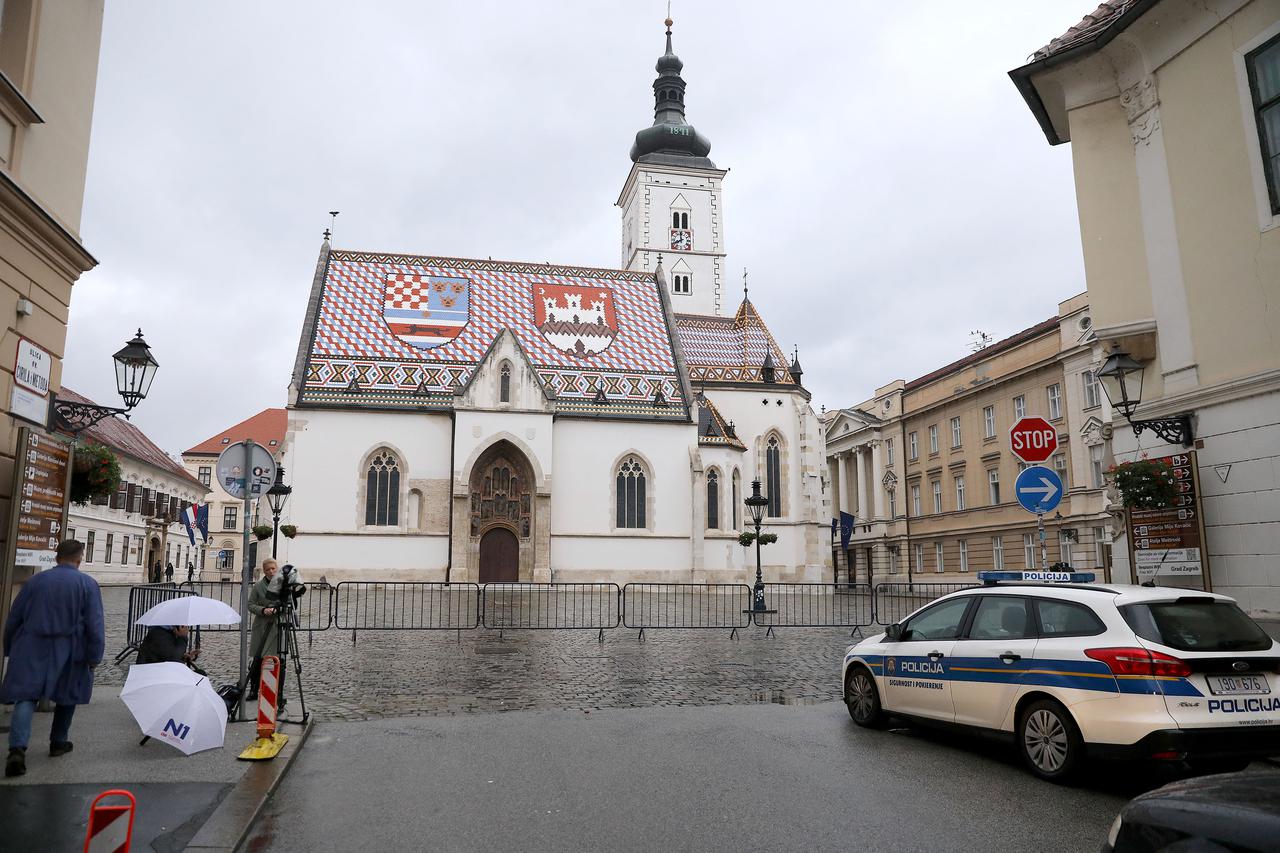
(499, 556)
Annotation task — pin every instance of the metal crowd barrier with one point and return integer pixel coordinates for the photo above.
(686, 605)
(405, 606)
(142, 599)
(816, 605)
(314, 609)
(896, 601)
(545, 606)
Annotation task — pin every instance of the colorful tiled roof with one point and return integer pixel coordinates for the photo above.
(1097, 22)
(713, 429)
(407, 331)
(124, 437)
(266, 428)
(730, 349)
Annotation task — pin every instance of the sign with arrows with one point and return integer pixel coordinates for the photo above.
(1168, 543)
(1038, 489)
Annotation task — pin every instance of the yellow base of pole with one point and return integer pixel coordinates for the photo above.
(264, 748)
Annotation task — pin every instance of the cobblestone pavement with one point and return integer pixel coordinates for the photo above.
(432, 673)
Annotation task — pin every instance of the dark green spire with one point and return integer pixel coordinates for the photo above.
(671, 139)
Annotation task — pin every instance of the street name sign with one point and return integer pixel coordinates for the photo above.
(1033, 439)
(1038, 489)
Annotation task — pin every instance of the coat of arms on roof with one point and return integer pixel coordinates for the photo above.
(577, 320)
(426, 311)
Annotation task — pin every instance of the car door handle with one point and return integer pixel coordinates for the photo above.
(936, 655)
(1010, 657)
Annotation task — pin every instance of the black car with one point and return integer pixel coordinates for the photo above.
(1237, 812)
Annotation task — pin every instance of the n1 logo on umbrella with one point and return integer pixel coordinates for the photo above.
(1038, 489)
(178, 729)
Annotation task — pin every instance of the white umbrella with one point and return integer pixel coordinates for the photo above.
(176, 705)
(190, 610)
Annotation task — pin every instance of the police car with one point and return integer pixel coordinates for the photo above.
(1070, 669)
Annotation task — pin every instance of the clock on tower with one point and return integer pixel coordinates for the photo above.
(681, 239)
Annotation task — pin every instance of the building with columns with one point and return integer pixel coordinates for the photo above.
(1170, 107)
(478, 420)
(926, 470)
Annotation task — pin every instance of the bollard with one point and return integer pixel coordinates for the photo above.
(110, 827)
(269, 742)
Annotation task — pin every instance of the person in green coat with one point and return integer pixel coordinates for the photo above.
(264, 603)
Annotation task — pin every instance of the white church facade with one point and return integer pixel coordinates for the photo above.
(475, 420)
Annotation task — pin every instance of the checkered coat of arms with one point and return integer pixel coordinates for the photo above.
(426, 311)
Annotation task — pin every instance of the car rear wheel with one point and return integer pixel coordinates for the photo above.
(862, 699)
(1049, 741)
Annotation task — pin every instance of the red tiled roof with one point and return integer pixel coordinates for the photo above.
(986, 352)
(120, 435)
(1090, 27)
(266, 428)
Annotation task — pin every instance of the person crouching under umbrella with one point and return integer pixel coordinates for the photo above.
(168, 643)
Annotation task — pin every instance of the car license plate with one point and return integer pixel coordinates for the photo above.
(1238, 685)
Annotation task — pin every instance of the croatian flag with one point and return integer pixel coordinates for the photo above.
(196, 517)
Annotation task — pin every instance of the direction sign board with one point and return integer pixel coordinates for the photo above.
(1170, 542)
(1033, 439)
(1038, 489)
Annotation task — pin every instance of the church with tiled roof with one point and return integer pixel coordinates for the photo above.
(508, 421)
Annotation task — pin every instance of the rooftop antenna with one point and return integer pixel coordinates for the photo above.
(981, 340)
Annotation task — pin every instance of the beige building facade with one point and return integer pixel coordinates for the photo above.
(1170, 108)
(926, 470)
(48, 78)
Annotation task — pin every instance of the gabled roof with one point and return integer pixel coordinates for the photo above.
(124, 437)
(404, 332)
(986, 352)
(730, 349)
(713, 429)
(266, 428)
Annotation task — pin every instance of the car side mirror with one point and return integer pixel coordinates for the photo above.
(893, 633)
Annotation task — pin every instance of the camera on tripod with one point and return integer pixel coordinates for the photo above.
(291, 589)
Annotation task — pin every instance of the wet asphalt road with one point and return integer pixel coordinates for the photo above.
(758, 777)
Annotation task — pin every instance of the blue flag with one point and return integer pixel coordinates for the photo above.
(846, 530)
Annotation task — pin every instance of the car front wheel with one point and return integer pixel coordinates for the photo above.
(1049, 741)
(862, 699)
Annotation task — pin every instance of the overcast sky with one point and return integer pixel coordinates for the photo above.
(888, 188)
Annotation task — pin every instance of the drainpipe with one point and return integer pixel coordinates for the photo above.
(906, 500)
(453, 433)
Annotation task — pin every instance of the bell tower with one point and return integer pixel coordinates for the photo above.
(671, 202)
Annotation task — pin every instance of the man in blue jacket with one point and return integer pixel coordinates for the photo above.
(54, 639)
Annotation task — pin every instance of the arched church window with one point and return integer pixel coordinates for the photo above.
(737, 496)
(713, 500)
(630, 484)
(773, 476)
(681, 284)
(382, 491)
(504, 384)
(675, 219)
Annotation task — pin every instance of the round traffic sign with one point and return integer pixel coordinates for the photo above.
(1033, 439)
(1038, 489)
(231, 470)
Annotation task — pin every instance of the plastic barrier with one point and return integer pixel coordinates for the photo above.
(110, 827)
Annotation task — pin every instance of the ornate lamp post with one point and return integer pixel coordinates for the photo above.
(277, 497)
(1121, 379)
(756, 505)
(135, 369)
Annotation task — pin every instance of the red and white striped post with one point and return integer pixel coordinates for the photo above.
(268, 687)
(110, 827)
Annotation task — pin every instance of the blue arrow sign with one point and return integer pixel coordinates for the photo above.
(1038, 489)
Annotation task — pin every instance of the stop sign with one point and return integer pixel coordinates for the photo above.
(1033, 439)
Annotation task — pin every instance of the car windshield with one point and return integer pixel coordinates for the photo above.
(1197, 625)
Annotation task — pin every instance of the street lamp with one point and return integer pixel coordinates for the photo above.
(277, 497)
(1121, 379)
(756, 505)
(135, 370)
